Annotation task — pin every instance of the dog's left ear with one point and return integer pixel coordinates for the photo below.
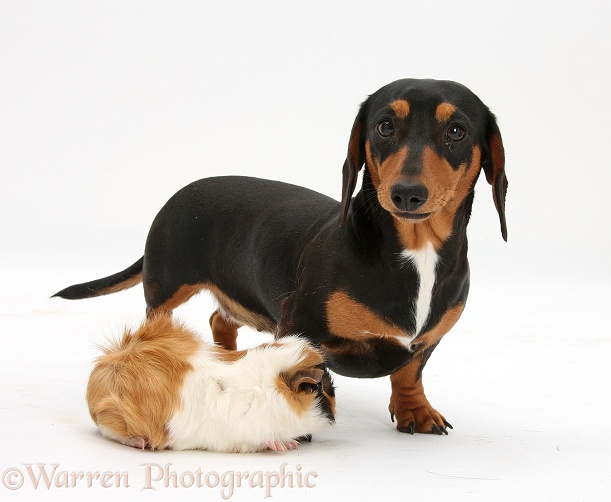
(494, 168)
(354, 161)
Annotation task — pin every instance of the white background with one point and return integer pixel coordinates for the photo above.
(107, 108)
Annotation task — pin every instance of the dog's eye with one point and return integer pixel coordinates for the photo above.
(455, 133)
(385, 128)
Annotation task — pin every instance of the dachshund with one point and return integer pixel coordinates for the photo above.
(374, 281)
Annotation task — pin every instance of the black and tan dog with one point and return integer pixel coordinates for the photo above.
(375, 281)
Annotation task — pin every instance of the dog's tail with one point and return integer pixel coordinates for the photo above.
(126, 279)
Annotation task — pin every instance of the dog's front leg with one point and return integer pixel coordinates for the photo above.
(409, 407)
(408, 404)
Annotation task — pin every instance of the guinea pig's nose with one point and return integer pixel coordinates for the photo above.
(409, 196)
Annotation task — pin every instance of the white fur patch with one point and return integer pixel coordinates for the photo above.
(425, 261)
(236, 406)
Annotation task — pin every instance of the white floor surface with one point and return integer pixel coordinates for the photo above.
(523, 378)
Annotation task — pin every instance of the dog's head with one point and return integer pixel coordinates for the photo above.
(423, 143)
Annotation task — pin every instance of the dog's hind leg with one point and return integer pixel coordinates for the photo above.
(224, 331)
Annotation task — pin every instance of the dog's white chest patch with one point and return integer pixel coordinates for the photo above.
(425, 261)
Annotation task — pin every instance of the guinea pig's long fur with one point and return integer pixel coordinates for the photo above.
(163, 387)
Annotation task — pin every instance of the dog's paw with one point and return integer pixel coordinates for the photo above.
(417, 415)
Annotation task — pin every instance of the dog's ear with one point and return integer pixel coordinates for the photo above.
(494, 168)
(354, 161)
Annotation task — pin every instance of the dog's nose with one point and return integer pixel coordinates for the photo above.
(409, 196)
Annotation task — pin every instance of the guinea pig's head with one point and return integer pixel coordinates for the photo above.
(306, 383)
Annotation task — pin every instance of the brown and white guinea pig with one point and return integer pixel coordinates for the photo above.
(163, 387)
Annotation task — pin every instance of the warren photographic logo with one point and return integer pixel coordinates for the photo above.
(157, 477)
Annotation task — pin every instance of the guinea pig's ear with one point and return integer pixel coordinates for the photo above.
(355, 159)
(305, 380)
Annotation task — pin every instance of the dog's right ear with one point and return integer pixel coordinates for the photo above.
(354, 161)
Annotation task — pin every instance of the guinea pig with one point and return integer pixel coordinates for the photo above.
(163, 387)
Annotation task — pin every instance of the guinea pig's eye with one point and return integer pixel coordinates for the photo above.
(308, 387)
(385, 128)
(455, 133)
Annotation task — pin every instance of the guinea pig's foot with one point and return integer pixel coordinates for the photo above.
(140, 443)
(282, 445)
(304, 439)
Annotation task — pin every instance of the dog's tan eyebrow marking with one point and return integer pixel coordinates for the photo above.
(400, 107)
(444, 112)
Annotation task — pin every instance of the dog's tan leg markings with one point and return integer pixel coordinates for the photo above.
(347, 318)
(224, 332)
(182, 295)
(410, 407)
(408, 403)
